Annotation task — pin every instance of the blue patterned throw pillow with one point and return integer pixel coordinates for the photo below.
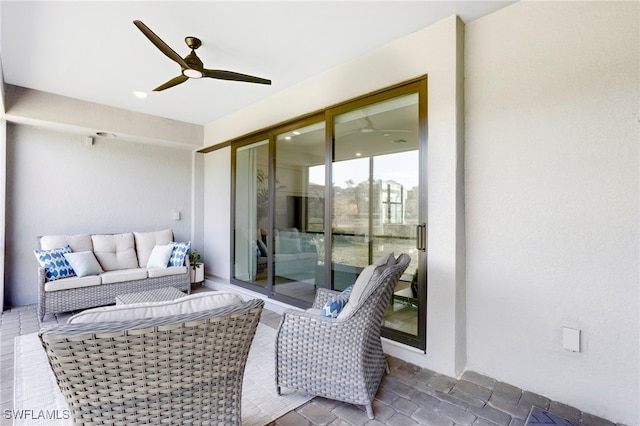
(335, 304)
(54, 263)
(179, 252)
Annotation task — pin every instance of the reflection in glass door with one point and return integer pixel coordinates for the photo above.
(251, 212)
(298, 232)
(375, 195)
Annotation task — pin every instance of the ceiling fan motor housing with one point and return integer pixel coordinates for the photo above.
(193, 42)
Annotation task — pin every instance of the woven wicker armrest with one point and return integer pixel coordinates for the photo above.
(322, 335)
(322, 295)
(94, 328)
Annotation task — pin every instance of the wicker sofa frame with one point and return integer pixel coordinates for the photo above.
(338, 358)
(181, 369)
(72, 299)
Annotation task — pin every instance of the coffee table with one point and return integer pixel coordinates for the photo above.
(157, 295)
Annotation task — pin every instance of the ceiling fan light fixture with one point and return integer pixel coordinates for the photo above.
(191, 73)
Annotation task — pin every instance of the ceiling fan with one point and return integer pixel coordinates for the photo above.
(191, 65)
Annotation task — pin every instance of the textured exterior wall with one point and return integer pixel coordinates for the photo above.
(552, 200)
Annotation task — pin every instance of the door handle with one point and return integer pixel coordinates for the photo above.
(421, 237)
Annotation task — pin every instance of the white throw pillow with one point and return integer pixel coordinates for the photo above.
(160, 256)
(84, 263)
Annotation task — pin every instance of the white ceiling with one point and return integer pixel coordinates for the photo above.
(92, 51)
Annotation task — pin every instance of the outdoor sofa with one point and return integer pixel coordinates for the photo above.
(105, 266)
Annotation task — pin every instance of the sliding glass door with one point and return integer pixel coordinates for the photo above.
(376, 200)
(318, 199)
(251, 213)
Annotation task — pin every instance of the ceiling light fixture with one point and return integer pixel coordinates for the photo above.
(140, 95)
(191, 73)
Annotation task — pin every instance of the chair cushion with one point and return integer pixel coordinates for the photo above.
(160, 256)
(179, 252)
(367, 277)
(115, 251)
(72, 282)
(165, 272)
(84, 263)
(122, 275)
(146, 241)
(54, 263)
(193, 303)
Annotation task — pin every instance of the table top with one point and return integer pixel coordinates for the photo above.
(157, 295)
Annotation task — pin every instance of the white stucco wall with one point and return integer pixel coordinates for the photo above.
(57, 184)
(552, 196)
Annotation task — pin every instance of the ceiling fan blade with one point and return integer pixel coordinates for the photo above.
(235, 76)
(157, 41)
(173, 82)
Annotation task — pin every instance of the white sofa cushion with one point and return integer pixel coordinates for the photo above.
(73, 282)
(79, 242)
(193, 303)
(367, 277)
(116, 251)
(146, 241)
(165, 272)
(122, 275)
(84, 263)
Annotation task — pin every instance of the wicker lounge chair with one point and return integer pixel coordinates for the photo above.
(338, 358)
(181, 369)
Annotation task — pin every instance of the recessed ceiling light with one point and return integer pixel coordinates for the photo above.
(295, 132)
(358, 154)
(106, 134)
(140, 95)
(288, 138)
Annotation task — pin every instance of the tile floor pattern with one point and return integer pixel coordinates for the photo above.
(409, 395)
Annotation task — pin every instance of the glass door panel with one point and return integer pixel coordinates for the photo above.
(299, 213)
(375, 193)
(251, 214)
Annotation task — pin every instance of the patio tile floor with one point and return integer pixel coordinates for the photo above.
(408, 395)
